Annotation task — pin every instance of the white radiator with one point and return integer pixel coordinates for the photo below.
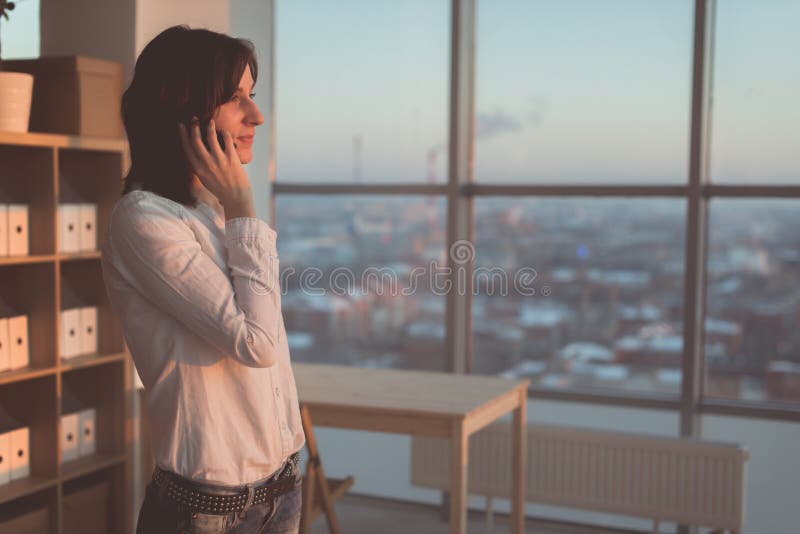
(687, 481)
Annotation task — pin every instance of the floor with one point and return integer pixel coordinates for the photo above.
(369, 515)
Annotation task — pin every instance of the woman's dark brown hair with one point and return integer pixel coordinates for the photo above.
(180, 74)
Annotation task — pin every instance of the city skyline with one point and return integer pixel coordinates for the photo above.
(607, 309)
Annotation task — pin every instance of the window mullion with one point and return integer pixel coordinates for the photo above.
(460, 233)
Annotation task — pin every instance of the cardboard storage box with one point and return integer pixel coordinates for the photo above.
(74, 95)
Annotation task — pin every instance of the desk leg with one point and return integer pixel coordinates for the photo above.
(315, 483)
(518, 468)
(459, 444)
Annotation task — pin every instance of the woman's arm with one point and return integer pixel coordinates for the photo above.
(157, 253)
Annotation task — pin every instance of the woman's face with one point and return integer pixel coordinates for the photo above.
(240, 116)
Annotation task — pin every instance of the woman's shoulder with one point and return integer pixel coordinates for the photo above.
(140, 208)
(142, 201)
(145, 222)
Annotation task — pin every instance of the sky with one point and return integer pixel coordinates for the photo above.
(570, 91)
(20, 33)
(574, 91)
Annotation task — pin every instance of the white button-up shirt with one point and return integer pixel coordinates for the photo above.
(200, 305)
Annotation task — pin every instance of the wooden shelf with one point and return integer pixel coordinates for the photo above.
(91, 360)
(90, 464)
(23, 260)
(44, 170)
(25, 373)
(49, 140)
(25, 486)
(89, 255)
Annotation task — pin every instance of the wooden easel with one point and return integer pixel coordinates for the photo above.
(319, 493)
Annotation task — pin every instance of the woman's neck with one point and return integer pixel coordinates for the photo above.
(202, 193)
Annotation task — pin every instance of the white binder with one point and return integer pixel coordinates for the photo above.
(3, 230)
(5, 458)
(5, 352)
(20, 453)
(70, 332)
(18, 341)
(69, 228)
(88, 226)
(86, 426)
(70, 445)
(88, 324)
(17, 229)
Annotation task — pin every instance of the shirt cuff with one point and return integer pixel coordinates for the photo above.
(244, 228)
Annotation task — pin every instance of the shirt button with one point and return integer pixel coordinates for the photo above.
(278, 392)
(250, 338)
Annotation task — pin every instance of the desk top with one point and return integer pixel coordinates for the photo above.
(400, 391)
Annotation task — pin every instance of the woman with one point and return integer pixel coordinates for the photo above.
(193, 275)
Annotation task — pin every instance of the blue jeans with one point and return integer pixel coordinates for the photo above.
(161, 515)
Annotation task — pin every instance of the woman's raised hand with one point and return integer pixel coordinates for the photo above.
(221, 172)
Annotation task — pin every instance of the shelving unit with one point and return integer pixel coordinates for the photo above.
(42, 170)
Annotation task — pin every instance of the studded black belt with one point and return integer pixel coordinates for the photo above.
(183, 491)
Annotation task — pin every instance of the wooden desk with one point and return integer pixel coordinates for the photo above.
(423, 403)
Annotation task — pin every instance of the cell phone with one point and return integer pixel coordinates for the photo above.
(220, 138)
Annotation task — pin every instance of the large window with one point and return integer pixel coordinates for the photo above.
(567, 96)
(618, 197)
(583, 129)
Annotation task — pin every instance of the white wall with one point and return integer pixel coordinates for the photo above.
(119, 29)
(98, 28)
(773, 470)
(153, 16)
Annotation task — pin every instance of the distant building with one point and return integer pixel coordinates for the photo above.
(581, 352)
(727, 333)
(545, 327)
(526, 369)
(650, 350)
(329, 316)
(783, 381)
(423, 345)
(599, 375)
(632, 318)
